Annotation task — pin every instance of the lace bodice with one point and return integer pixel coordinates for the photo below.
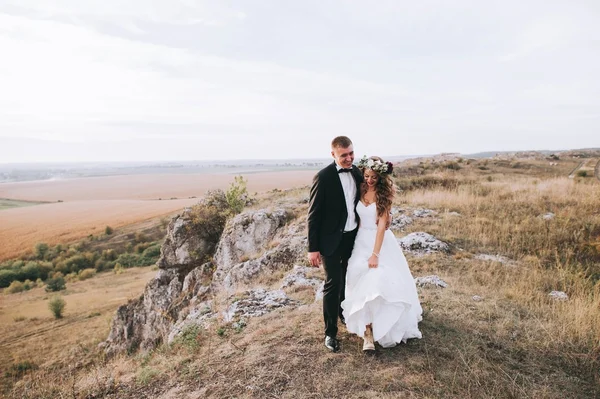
(368, 215)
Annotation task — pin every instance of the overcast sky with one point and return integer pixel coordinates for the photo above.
(184, 79)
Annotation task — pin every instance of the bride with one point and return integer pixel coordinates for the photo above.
(381, 301)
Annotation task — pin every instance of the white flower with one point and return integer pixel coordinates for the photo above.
(370, 163)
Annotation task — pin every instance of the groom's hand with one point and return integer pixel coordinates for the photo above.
(314, 258)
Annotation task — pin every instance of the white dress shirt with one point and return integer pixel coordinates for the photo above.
(349, 187)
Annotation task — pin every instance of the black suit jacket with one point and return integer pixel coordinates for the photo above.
(327, 212)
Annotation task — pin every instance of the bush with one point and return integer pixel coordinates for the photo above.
(31, 271)
(56, 283)
(28, 284)
(14, 287)
(79, 262)
(41, 250)
(6, 277)
(128, 260)
(581, 173)
(237, 195)
(57, 306)
(152, 251)
(140, 248)
(86, 273)
(108, 230)
(109, 254)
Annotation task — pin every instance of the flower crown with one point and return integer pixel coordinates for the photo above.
(382, 168)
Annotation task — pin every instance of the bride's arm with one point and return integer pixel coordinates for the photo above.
(382, 224)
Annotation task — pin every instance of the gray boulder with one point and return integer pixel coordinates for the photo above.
(421, 243)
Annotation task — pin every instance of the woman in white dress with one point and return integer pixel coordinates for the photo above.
(381, 301)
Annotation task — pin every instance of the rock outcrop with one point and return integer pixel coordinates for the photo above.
(252, 243)
(421, 243)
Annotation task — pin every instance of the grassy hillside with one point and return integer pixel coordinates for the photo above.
(516, 342)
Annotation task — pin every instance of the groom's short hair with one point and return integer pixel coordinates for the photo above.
(341, 142)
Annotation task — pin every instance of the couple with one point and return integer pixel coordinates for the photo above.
(367, 281)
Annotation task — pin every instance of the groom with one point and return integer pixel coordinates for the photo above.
(332, 227)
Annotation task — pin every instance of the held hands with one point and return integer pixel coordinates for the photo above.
(373, 261)
(314, 258)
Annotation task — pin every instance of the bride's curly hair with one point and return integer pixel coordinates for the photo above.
(384, 191)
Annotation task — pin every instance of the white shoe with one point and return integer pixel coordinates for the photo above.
(368, 344)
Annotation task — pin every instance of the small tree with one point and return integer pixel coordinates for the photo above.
(237, 195)
(57, 306)
(56, 283)
(41, 250)
(108, 230)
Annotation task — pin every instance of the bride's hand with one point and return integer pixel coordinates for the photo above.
(373, 262)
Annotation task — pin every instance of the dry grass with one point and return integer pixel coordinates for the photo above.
(30, 333)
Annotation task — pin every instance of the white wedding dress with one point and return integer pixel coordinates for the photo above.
(385, 296)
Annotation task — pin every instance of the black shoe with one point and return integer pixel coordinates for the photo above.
(332, 344)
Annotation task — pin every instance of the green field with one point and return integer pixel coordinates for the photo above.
(9, 204)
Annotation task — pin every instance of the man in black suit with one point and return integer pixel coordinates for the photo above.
(332, 227)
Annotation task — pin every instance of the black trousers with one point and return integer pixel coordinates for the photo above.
(335, 267)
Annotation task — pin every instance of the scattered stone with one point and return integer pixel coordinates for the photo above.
(477, 298)
(495, 258)
(421, 243)
(257, 303)
(424, 213)
(430, 281)
(399, 219)
(456, 214)
(558, 295)
(548, 216)
(298, 278)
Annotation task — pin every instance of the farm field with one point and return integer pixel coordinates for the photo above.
(9, 204)
(90, 204)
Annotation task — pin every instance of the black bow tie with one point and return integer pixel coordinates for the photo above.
(345, 170)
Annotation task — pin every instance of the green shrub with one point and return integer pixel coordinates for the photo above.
(109, 254)
(128, 260)
(86, 273)
(14, 287)
(41, 250)
(582, 173)
(31, 271)
(28, 284)
(237, 195)
(56, 283)
(7, 276)
(140, 248)
(152, 251)
(79, 262)
(57, 305)
(108, 230)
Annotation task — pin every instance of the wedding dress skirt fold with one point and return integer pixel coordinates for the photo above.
(386, 296)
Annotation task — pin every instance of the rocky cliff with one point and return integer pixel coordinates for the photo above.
(252, 243)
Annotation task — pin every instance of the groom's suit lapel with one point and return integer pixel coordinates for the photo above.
(337, 183)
